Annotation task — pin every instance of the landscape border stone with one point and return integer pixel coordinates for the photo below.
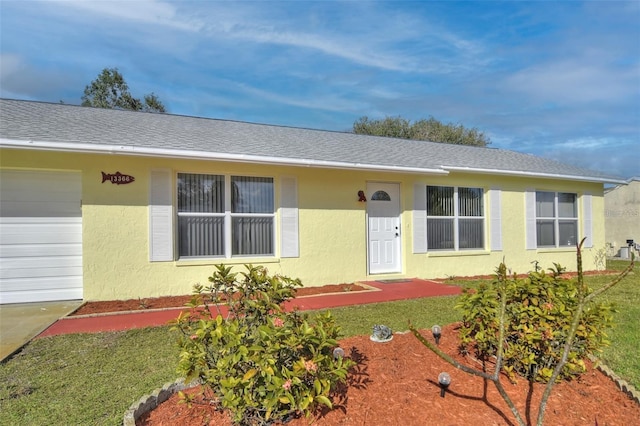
(157, 397)
(623, 385)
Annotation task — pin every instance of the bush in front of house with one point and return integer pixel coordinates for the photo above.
(263, 364)
(540, 327)
(539, 312)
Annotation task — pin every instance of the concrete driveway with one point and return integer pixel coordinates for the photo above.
(21, 322)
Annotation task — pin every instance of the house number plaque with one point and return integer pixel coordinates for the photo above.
(117, 178)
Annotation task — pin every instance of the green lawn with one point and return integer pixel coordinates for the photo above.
(94, 378)
(622, 355)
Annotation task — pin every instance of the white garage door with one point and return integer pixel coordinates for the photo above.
(40, 236)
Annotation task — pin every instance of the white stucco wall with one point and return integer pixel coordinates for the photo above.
(622, 215)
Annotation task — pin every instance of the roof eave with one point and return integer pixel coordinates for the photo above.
(204, 155)
(518, 173)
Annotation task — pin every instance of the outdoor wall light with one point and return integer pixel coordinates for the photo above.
(338, 353)
(444, 379)
(436, 330)
(361, 197)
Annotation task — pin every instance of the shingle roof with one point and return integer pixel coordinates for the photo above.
(38, 122)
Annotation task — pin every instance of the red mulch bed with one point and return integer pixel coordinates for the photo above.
(395, 383)
(92, 308)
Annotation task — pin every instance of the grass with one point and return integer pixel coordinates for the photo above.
(84, 379)
(359, 320)
(93, 378)
(622, 354)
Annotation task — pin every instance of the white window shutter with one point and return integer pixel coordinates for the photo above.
(587, 220)
(289, 235)
(530, 215)
(161, 216)
(419, 218)
(495, 218)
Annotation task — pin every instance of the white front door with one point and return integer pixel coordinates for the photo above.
(383, 227)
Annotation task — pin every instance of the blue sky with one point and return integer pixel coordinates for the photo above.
(556, 79)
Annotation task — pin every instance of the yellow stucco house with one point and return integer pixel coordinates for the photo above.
(100, 204)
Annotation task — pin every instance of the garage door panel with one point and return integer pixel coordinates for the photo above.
(44, 282)
(40, 236)
(41, 262)
(40, 250)
(38, 209)
(35, 263)
(42, 295)
(15, 238)
(51, 272)
(40, 220)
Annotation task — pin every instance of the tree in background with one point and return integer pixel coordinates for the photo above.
(426, 130)
(110, 90)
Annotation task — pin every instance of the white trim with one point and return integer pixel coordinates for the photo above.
(587, 219)
(240, 158)
(495, 218)
(289, 235)
(243, 158)
(531, 174)
(531, 242)
(419, 218)
(160, 215)
(228, 225)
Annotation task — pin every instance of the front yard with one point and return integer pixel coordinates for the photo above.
(94, 378)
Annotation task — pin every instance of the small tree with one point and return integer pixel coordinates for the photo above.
(540, 327)
(426, 129)
(110, 90)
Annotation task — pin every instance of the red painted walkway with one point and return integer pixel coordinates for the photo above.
(383, 292)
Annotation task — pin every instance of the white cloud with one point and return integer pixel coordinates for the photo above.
(574, 81)
(331, 102)
(351, 32)
(610, 155)
(10, 64)
(587, 143)
(379, 37)
(345, 49)
(20, 79)
(140, 11)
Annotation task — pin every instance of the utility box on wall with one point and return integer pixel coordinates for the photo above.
(624, 252)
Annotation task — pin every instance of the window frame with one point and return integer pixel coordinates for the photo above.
(228, 216)
(457, 218)
(557, 219)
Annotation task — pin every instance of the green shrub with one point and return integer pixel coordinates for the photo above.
(538, 317)
(263, 364)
